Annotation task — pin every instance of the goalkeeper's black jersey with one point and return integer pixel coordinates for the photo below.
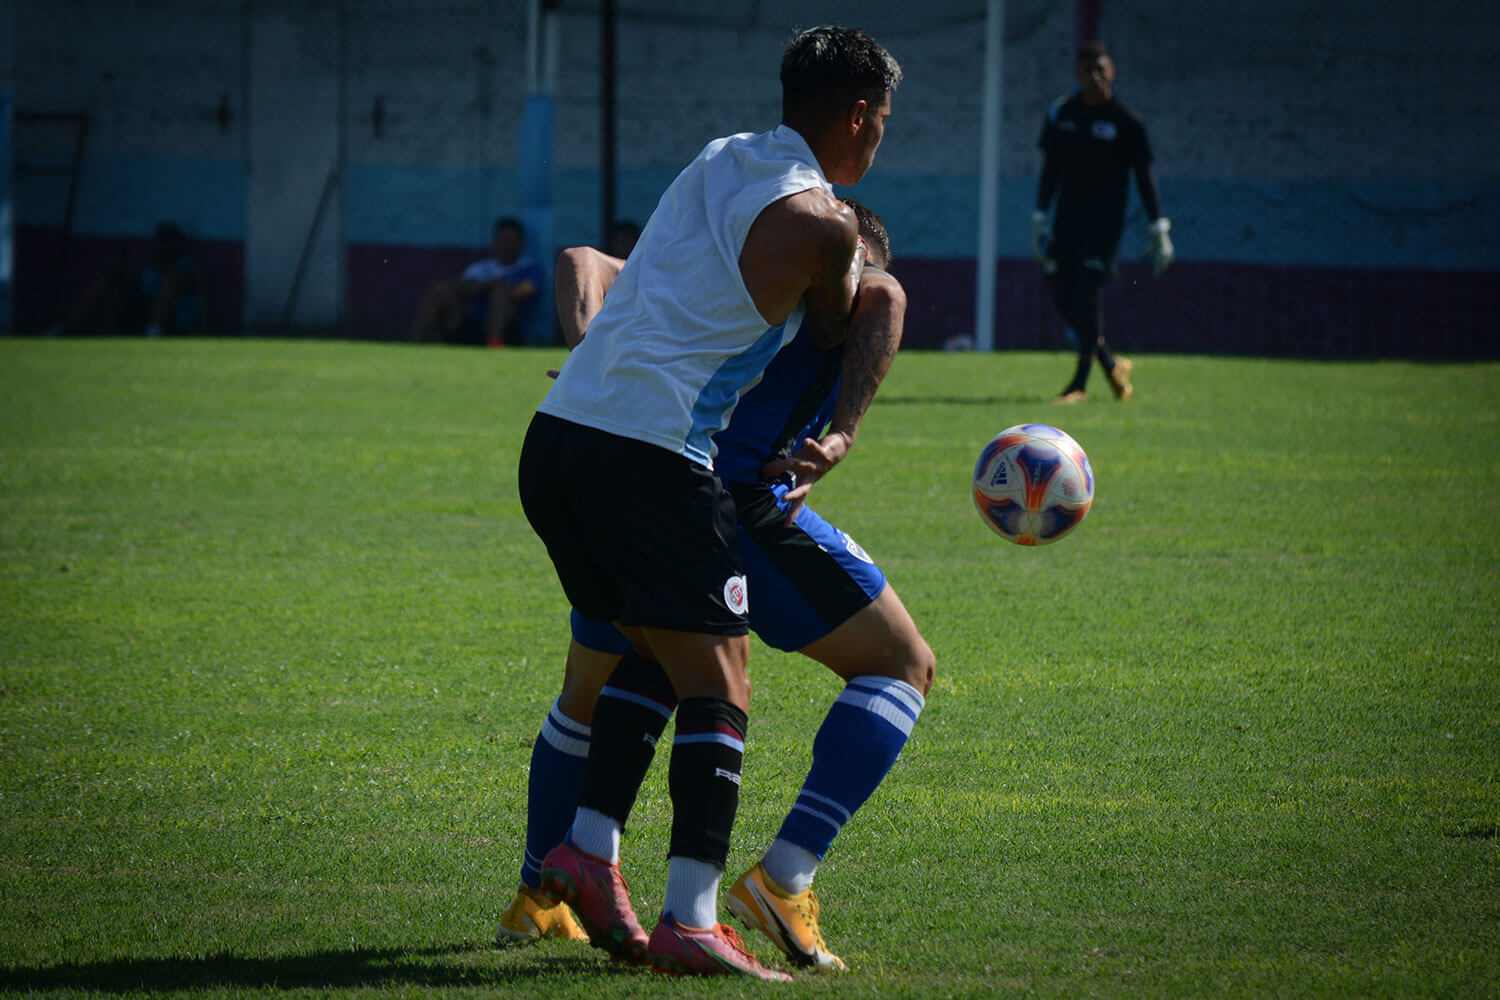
(1094, 150)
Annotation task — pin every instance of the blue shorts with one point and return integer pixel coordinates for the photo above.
(806, 579)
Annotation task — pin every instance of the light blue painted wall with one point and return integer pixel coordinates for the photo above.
(1320, 223)
(1343, 137)
(124, 196)
(428, 205)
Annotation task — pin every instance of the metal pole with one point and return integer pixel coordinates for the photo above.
(340, 171)
(989, 176)
(1085, 23)
(606, 119)
(538, 123)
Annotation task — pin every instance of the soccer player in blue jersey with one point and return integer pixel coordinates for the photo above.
(816, 591)
(747, 245)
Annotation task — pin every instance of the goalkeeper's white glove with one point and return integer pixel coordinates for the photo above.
(1041, 236)
(1160, 248)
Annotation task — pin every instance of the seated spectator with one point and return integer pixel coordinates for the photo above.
(488, 303)
(160, 294)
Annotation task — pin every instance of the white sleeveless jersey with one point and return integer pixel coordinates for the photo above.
(679, 336)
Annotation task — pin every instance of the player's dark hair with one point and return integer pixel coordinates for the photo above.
(872, 228)
(508, 222)
(831, 63)
(1094, 50)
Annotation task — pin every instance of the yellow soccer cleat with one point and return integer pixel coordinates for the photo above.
(791, 922)
(532, 916)
(1119, 379)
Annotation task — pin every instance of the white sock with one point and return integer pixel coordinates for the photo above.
(692, 892)
(791, 867)
(597, 834)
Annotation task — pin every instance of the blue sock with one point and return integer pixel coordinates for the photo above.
(860, 738)
(557, 762)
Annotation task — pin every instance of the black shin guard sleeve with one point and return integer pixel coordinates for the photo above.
(708, 753)
(633, 709)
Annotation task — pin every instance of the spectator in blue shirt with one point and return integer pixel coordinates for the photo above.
(489, 302)
(157, 293)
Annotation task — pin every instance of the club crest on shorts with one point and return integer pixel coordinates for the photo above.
(854, 549)
(737, 594)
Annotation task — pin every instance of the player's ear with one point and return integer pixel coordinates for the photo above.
(854, 118)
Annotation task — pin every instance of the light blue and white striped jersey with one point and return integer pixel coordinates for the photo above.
(679, 336)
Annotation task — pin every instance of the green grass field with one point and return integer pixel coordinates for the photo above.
(275, 640)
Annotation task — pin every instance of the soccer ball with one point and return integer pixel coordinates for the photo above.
(1033, 484)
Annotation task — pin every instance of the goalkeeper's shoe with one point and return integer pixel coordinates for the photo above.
(597, 892)
(1119, 379)
(710, 951)
(790, 921)
(532, 916)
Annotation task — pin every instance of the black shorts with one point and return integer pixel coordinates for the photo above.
(638, 535)
(1087, 269)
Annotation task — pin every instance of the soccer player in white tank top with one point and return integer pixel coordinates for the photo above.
(656, 376)
(815, 592)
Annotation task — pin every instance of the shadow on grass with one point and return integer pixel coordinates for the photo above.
(437, 967)
(1016, 399)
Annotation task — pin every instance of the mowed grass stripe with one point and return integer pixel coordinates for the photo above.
(275, 640)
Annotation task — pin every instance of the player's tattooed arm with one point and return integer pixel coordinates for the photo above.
(874, 336)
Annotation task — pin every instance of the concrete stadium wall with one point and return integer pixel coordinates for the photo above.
(1332, 187)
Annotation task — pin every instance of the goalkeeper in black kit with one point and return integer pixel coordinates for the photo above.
(1090, 144)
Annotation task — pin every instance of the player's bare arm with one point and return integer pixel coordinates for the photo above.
(584, 275)
(805, 246)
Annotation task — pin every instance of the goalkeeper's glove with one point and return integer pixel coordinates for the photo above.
(1160, 248)
(1041, 236)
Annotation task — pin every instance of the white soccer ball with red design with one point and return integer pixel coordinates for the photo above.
(1033, 484)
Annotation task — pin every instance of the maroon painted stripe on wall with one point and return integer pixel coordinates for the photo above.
(1195, 308)
(1227, 308)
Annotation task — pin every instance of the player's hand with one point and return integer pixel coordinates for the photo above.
(1041, 237)
(807, 465)
(1160, 248)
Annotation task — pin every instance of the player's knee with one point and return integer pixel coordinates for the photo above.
(578, 704)
(921, 667)
(913, 662)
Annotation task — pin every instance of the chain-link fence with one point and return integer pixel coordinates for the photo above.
(1332, 186)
